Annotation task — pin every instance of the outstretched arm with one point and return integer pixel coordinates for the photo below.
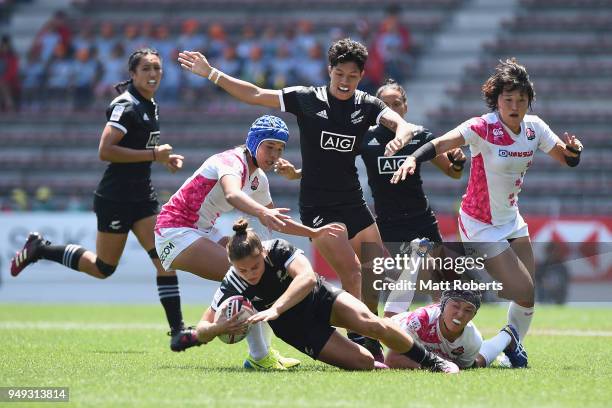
(273, 218)
(244, 91)
(304, 280)
(428, 151)
(292, 227)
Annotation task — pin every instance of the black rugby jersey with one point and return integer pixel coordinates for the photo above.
(273, 283)
(331, 132)
(391, 201)
(137, 118)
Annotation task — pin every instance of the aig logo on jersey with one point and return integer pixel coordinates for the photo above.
(153, 139)
(388, 165)
(336, 141)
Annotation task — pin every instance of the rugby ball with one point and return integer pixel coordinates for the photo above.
(228, 308)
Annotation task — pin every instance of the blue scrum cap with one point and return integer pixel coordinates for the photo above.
(267, 127)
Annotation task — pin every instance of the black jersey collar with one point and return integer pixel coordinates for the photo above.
(134, 92)
(324, 94)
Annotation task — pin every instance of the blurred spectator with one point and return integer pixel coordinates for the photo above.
(304, 39)
(312, 69)
(191, 39)
(552, 277)
(46, 41)
(55, 32)
(374, 68)
(255, 69)
(247, 43)
(217, 40)
(146, 35)
(33, 75)
(164, 45)
(113, 71)
(270, 41)
(9, 75)
(392, 45)
(131, 40)
(62, 27)
(60, 74)
(229, 62)
(170, 86)
(87, 73)
(282, 69)
(42, 200)
(105, 41)
(19, 200)
(84, 38)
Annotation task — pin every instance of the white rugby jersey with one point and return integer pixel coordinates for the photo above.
(200, 200)
(423, 325)
(500, 160)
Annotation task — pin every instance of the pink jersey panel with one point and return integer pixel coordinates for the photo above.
(428, 332)
(182, 209)
(492, 132)
(476, 202)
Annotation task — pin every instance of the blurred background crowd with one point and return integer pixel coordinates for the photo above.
(75, 63)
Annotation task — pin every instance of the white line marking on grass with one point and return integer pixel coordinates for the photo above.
(10, 325)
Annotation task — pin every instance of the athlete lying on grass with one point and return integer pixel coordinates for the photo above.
(302, 309)
(447, 330)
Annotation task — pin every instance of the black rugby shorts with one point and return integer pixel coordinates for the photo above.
(356, 217)
(306, 325)
(119, 217)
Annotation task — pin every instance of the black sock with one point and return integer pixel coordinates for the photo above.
(170, 298)
(418, 354)
(67, 255)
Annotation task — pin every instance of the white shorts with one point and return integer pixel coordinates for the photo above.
(482, 239)
(170, 242)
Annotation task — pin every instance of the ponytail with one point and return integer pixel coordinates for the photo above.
(244, 242)
(122, 86)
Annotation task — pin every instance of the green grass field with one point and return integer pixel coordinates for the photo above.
(118, 356)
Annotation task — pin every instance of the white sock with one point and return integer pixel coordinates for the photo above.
(520, 317)
(491, 348)
(399, 300)
(267, 333)
(258, 348)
